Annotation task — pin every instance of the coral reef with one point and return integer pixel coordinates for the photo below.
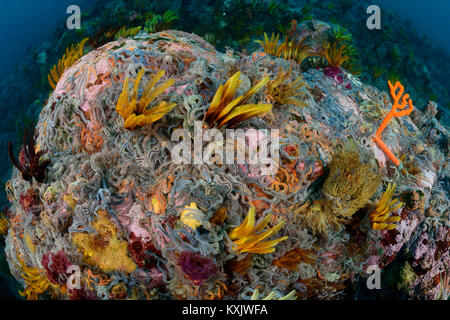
(397, 52)
(140, 226)
(398, 110)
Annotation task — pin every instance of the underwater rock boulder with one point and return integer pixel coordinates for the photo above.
(134, 224)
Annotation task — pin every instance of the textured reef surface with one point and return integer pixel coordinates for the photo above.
(395, 52)
(97, 188)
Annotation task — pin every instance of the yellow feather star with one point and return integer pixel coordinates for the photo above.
(247, 237)
(37, 283)
(225, 109)
(125, 32)
(296, 50)
(290, 49)
(134, 111)
(271, 46)
(290, 296)
(380, 217)
(72, 55)
(335, 53)
(283, 93)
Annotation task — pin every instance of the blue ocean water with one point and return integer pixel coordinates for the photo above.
(27, 23)
(429, 17)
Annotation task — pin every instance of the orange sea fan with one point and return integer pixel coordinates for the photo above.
(271, 46)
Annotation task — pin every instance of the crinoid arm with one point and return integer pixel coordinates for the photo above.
(134, 110)
(226, 109)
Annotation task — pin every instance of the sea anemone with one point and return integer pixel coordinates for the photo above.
(226, 110)
(286, 93)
